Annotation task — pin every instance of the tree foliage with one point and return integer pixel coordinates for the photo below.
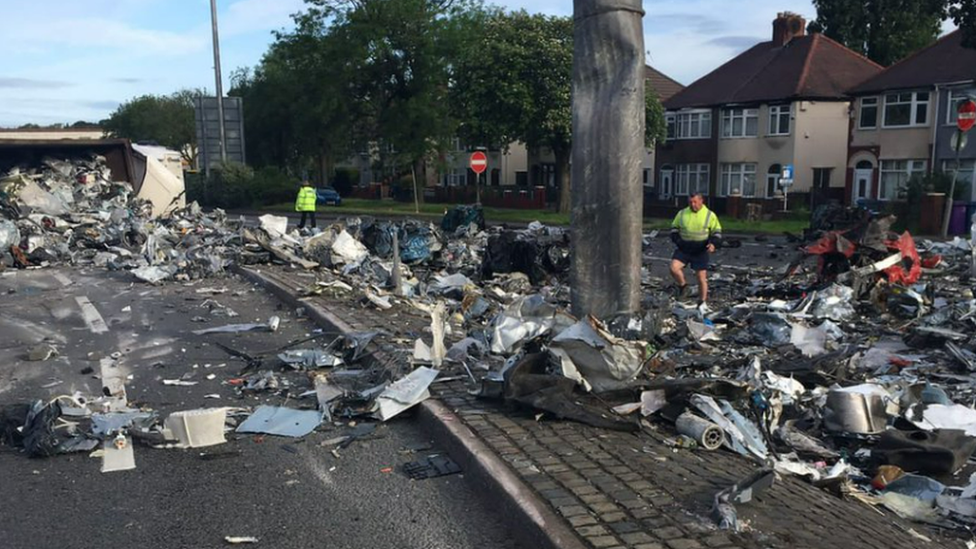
(963, 13)
(514, 83)
(163, 119)
(353, 75)
(885, 31)
(655, 125)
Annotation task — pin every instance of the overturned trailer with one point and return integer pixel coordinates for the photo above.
(150, 180)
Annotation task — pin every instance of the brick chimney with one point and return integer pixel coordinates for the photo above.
(786, 27)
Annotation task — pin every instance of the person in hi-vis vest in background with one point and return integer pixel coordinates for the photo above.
(696, 232)
(305, 203)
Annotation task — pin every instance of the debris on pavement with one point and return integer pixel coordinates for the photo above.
(286, 422)
(856, 358)
(432, 466)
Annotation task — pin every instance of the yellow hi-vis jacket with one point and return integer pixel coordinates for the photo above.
(306, 200)
(692, 231)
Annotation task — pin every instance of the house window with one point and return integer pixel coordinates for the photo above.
(694, 124)
(868, 119)
(672, 127)
(457, 177)
(691, 178)
(955, 98)
(522, 179)
(906, 109)
(779, 120)
(738, 180)
(895, 175)
(821, 178)
(967, 174)
(740, 122)
(772, 179)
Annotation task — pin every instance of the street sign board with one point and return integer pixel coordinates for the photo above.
(208, 130)
(784, 182)
(787, 172)
(967, 115)
(479, 162)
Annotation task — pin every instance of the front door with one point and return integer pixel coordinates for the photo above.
(862, 185)
(665, 189)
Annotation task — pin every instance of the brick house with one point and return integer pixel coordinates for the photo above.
(781, 102)
(903, 120)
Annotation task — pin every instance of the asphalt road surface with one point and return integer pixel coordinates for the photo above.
(287, 493)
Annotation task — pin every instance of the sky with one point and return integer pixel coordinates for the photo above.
(70, 60)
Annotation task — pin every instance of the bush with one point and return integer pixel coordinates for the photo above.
(345, 179)
(232, 186)
(402, 189)
(272, 186)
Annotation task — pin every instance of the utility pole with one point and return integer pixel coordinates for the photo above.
(219, 83)
(608, 150)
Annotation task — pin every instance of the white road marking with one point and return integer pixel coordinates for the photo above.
(91, 316)
(64, 280)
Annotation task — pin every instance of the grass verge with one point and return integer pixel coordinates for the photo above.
(358, 206)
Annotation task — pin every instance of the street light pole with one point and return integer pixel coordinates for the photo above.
(219, 84)
(608, 148)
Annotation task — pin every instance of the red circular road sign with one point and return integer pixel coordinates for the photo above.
(967, 115)
(479, 162)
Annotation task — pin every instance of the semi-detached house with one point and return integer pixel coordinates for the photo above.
(903, 121)
(781, 102)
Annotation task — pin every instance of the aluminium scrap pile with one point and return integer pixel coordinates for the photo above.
(857, 371)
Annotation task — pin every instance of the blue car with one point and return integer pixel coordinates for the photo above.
(328, 195)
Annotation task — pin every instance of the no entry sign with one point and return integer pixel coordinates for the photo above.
(967, 115)
(479, 162)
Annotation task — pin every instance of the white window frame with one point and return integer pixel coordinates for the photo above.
(952, 106)
(877, 112)
(891, 166)
(683, 176)
(742, 114)
(671, 125)
(776, 114)
(913, 103)
(458, 177)
(741, 170)
(699, 119)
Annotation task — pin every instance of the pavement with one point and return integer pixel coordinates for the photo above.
(289, 493)
(620, 490)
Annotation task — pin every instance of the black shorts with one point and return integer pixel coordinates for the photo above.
(698, 262)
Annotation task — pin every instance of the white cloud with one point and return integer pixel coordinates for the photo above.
(94, 32)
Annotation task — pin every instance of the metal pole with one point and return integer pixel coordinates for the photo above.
(952, 188)
(477, 186)
(416, 191)
(608, 148)
(219, 84)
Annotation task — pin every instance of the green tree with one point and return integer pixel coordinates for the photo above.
(655, 125)
(514, 83)
(165, 119)
(963, 13)
(885, 31)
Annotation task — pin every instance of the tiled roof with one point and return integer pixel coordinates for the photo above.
(943, 62)
(807, 67)
(664, 85)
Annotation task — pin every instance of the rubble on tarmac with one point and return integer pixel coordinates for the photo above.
(853, 367)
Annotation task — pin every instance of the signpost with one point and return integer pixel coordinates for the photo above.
(964, 121)
(478, 164)
(785, 182)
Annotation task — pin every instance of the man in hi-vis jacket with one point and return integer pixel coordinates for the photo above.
(696, 232)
